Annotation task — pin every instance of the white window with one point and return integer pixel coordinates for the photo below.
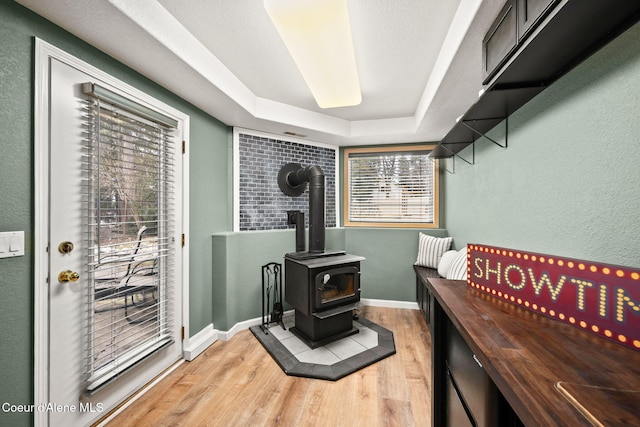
(391, 187)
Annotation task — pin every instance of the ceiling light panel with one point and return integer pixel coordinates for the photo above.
(317, 34)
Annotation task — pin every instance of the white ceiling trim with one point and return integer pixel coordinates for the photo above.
(466, 13)
(274, 111)
(156, 21)
(399, 125)
(421, 59)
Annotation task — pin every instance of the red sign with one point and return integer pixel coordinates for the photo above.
(600, 298)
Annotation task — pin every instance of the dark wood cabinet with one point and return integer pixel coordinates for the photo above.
(456, 414)
(551, 37)
(530, 13)
(423, 297)
(511, 27)
(462, 391)
(500, 40)
(494, 363)
(484, 404)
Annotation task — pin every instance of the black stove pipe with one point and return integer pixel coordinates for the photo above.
(297, 218)
(292, 180)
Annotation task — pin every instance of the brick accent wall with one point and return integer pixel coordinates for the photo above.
(262, 205)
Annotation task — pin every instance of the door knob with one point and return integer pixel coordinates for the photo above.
(68, 276)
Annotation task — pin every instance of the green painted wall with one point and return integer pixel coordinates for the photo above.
(209, 176)
(569, 182)
(209, 210)
(387, 272)
(16, 171)
(237, 269)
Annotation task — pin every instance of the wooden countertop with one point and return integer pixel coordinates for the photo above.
(551, 373)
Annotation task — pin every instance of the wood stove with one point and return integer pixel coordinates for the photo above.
(324, 291)
(322, 286)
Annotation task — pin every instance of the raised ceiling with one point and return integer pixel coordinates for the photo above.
(419, 62)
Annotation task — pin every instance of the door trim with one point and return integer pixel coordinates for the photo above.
(44, 53)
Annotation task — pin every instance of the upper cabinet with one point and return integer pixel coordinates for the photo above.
(530, 13)
(530, 44)
(500, 40)
(510, 28)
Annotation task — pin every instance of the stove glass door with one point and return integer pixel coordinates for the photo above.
(336, 285)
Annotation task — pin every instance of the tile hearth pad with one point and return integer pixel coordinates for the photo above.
(332, 361)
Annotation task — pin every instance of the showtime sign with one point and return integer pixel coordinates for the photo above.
(600, 298)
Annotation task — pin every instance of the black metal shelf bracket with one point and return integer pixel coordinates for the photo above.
(454, 155)
(473, 154)
(440, 163)
(506, 129)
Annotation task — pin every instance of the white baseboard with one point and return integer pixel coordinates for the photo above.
(246, 324)
(240, 326)
(390, 303)
(200, 342)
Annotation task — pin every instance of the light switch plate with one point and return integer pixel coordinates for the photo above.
(11, 244)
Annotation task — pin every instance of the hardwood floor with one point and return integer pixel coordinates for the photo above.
(237, 383)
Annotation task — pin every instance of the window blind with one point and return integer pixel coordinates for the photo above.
(129, 224)
(391, 187)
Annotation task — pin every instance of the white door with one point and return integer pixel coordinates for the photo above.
(74, 320)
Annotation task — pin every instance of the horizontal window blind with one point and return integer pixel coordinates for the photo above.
(391, 187)
(130, 227)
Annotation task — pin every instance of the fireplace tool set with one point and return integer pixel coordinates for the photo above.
(272, 287)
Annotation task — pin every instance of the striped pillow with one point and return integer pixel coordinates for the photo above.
(445, 262)
(430, 250)
(458, 268)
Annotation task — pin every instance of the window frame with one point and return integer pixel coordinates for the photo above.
(390, 149)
